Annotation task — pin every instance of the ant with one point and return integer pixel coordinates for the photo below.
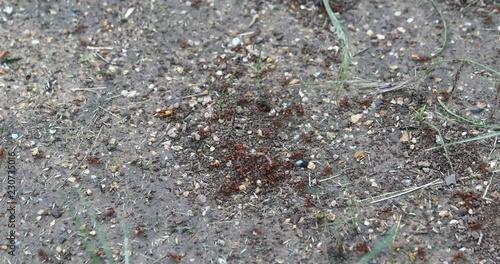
(457, 257)
(421, 58)
(297, 155)
(276, 124)
(242, 101)
(139, 231)
(174, 257)
(421, 253)
(385, 211)
(182, 44)
(300, 109)
(287, 112)
(467, 197)
(344, 102)
(445, 96)
(327, 170)
(169, 112)
(301, 186)
(307, 202)
(362, 248)
(366, 102)
(308, 138)
(203, 133)
(43, 256)
(93, 160)
(109, 213)
(475, 225)
(196, 3)
(285, 82)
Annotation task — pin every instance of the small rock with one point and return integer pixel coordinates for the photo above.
(132, 94)
(444, 214)
(15, 136)
(423, 164)
(451, 180)
(235, 42)
(454, 222)
(302, 164)
(179, 70)
(172, 132)
(405, 137)
(56, 214)
(201, 199)
(311, 166)
(356, 118)
(8, 10)
(406, 182)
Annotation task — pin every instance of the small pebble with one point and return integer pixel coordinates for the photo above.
(56, 214)
(451, 180)
(14, 136)
(235, 42)
(406, 182)
(8, 10)
(201, 199)
(423, 164)
(302, 164)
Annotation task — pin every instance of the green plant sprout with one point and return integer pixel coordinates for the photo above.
(346, 49)
(421, 117)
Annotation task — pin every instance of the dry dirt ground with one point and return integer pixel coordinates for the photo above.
(212, 132)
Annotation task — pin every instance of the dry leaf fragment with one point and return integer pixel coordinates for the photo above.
(294, 81)
(359, 156)
(356, 118)
(405, 137)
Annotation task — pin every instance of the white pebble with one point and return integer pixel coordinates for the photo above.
(397, 13)
(235, 42)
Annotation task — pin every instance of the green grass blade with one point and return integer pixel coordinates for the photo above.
(496, 134)
(100, 235)
(445, 37)
(125, 243)
(461, 118)
(346, 49)
(86, 238)
(386, 241)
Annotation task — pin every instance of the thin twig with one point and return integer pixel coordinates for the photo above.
(100, 57)
(159, 259)
(106, 110)
(90, 151)
(329, 178)
(196, 95)
(438, 181)
(488, 187)
(99, 48)
(480, 239)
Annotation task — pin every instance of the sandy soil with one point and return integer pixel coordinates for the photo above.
(215, 132)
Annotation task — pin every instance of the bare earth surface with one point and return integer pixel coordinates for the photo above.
(212, 132)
